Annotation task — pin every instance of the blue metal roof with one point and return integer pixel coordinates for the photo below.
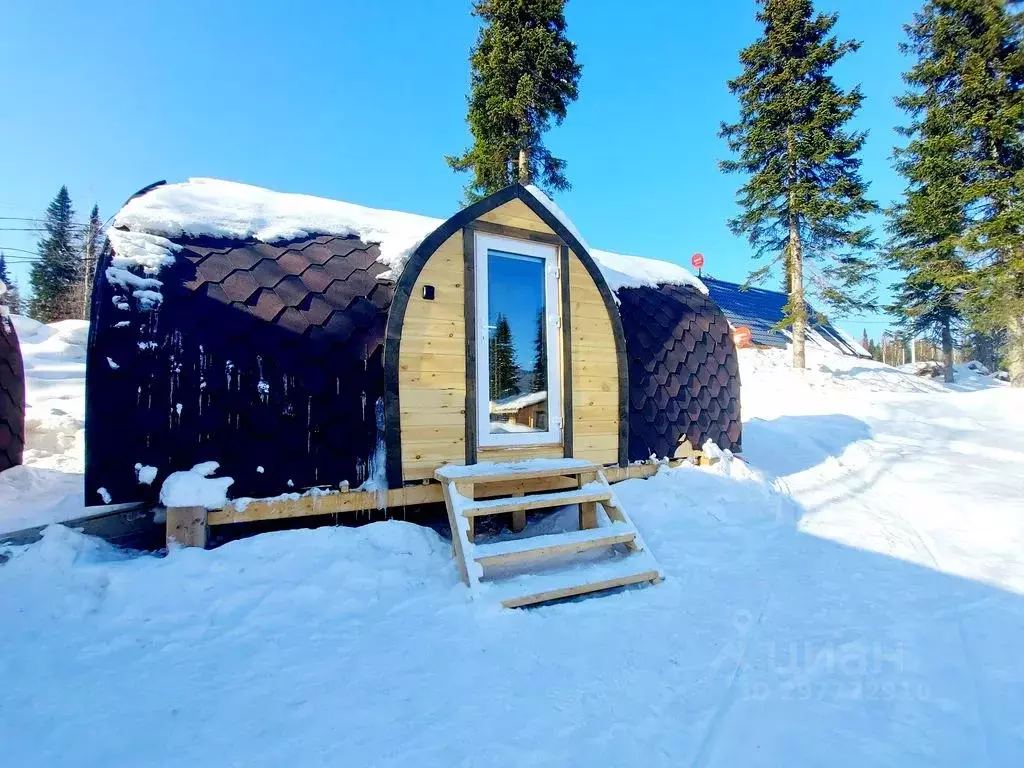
(760, 310)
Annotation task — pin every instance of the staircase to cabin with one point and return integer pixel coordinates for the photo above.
(605, 552)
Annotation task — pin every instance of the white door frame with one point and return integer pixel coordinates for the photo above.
(549, 253)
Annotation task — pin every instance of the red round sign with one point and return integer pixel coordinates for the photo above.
(697, 260)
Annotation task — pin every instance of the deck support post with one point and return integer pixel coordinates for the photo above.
(518, 515)
(588, 510)
(186, 526)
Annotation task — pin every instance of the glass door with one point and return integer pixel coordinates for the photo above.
(518, 362)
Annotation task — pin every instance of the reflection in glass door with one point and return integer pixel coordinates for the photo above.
(518, 371)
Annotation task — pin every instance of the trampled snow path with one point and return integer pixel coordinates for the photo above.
(873, 616)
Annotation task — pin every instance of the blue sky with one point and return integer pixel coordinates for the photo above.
(360, 101)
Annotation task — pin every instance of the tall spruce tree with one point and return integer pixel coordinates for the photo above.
(524, 74)
(991, 105)
(57, 271)
(9, 295)
(504, 373)
(804, 198)
(90, 255)
(540, 358)
(971, 63)
(926, 226)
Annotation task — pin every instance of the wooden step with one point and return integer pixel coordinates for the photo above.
(591, 492)
(529, 589)
(550, 545)
(494, 472)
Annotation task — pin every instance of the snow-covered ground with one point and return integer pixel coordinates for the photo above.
(48, 487)
(853, 596)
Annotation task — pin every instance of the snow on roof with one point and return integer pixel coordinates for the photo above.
(142, 232)
(857, 346)
(229, 210)
(518, 402)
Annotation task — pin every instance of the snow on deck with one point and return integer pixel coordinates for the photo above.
(142, 231)
(457, 471)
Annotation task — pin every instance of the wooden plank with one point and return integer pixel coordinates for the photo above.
(460, 555)
(516, 213)
(434, 417)
(420, 399)
(598, 368)
(432, 363)
(525, 473)
(432, 328)
(596, 384)
(444, 450)
(326, 504)
(534, 485)
(187, 526)
(410, 495)
(442, 309)
(515, 232)
(552, 550)
(581, 589)
(413, 434)
(542, 501)
(432, 380)
(449, 346)
(519, 453)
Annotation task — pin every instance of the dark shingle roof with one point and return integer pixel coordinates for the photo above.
(684, 376)
(759, 310)
(273, 352)
(12, 397)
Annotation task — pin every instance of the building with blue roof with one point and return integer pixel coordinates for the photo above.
(761, 311)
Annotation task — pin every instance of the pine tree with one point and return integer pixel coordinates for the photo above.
(927, 225)
(524, 74)
(90, 256)
(540, 358)
(989, 101)
(10, 297)
(970, 70)
(504, 373)
(57, 271)
(804, 197)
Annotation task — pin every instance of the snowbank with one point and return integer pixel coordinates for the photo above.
(54, 358)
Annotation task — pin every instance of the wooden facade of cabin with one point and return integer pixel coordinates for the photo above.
(432, 343)
(304, 362)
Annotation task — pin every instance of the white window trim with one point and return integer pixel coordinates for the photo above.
(549, 253)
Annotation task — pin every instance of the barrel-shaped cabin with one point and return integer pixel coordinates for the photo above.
(12, 393)
(303, 342)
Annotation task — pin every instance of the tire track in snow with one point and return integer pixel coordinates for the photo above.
(707, 741)
(970, 660)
